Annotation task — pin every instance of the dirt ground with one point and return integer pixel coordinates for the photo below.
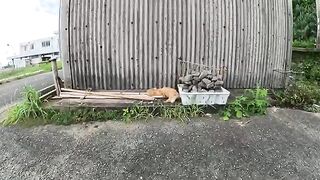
(285, 144)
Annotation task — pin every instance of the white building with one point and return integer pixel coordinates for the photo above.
(35, 52)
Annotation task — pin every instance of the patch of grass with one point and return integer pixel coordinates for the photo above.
(137, 113)
(181, 113)
(253, 102)
(45, 67)
(30, 108)
(81, 115)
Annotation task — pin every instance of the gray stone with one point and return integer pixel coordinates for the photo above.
(202, 85)
(188, 83)
(204, 74)
(210, 86)
(219, 83)
(210, 76)
(194, 89)
(197, 79)
(187, 78)
(196, 74)
(214, 79)
(206, 81)
(203, 90)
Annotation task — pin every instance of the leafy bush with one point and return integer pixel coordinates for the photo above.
(301, 94)
(315, 73)
(30, 108)
(251, 103)
(310, 67)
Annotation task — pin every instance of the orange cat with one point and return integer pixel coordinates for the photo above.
(166, 92)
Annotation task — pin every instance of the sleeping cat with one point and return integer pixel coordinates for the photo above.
(166, 92)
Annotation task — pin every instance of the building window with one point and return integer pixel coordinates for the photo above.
(25, 48)
(46, 44)
(32, 46)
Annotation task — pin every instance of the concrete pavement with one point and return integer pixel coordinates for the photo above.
(285, 144)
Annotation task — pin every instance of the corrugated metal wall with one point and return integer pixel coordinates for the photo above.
(139, 44)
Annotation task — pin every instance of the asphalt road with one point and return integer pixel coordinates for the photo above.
(285, 144)
(11, 92)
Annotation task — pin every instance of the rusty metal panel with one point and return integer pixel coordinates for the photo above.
(139, 44)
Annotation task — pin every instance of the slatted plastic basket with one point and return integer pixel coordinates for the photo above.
(204, 98)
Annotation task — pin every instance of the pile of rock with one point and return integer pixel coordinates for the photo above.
(202, 82)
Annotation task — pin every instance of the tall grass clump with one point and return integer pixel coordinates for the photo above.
(29, 108)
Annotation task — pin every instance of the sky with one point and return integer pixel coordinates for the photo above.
(25, 20)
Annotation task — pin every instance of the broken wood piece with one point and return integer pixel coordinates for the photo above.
(88, 96)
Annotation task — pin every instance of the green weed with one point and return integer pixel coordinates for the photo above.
(82, 115)
(30, 108)
(300, 95)
(180, 112)
(137, 113)
(251, 103)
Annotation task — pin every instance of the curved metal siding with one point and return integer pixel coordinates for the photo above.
(139, 44)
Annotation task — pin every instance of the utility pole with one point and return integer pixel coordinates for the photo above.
(318, 23)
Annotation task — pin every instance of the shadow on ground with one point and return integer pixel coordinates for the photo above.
(283, 145)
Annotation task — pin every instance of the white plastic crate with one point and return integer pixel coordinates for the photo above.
(204, 98)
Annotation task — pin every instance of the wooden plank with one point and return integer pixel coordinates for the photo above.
(48, 95)
(56, 76)
(147, 98)
(298, 49)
